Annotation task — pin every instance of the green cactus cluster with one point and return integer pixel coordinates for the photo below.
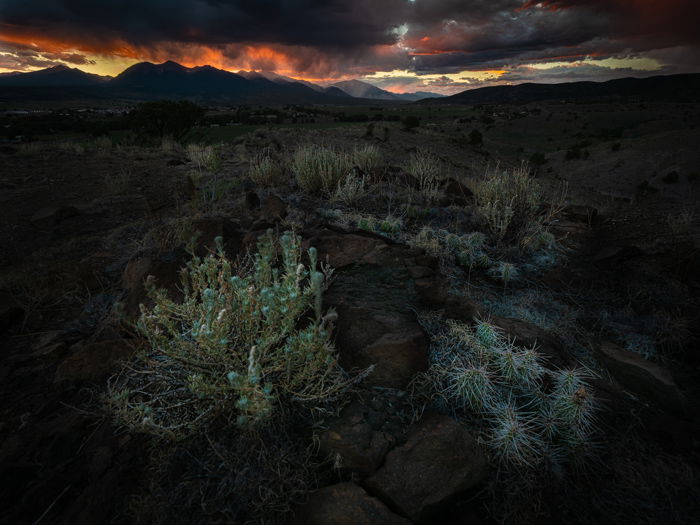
(530, 414)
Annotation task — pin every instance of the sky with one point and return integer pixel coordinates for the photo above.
(443, 46)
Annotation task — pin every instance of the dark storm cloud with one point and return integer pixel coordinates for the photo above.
(511, 32)
(433, 36)
(335, 23)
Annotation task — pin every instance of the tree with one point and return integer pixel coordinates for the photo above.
(164, 117)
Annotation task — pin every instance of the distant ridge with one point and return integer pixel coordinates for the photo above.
(54, 76)
(148, 81)
(669, 87)
(357, 88)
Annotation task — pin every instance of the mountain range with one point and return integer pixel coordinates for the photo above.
(145, 81)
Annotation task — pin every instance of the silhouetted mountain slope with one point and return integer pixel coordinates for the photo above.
(54, 76)
(671, 87)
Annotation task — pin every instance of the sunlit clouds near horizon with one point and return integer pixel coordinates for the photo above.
(443, 46)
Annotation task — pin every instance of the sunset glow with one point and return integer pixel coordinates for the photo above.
(401, 46)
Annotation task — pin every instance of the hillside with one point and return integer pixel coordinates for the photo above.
(671, 87)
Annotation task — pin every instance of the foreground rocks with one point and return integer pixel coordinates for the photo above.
(92, 362)
(346, 504)
(439, 461)
(647, 379)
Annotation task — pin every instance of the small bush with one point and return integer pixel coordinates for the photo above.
(205, 158)
(368, 158)
(510, 202)
(237, 346)
(266, 171)
(426, 169)
(319, 169)
(350, 191)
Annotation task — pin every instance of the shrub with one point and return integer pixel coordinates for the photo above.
(529, 415)
(511, 202)
(237, 346)
(368, 158)
(266, 171)
(350, 191)
(320, 169)
(426, 169)
(204, 157)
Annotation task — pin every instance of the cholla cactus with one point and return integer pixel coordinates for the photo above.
(234, 345)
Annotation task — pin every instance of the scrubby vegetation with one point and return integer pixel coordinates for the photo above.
(551, 333)
(233, 346)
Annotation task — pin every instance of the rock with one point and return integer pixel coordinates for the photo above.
(396, 357)
(165, 269)
(645, 378)
(527, 334)
(345, 249)
(11, 313)
(613, 255)
(462, 309)
(52, 215)
(346, 504)
(252, 201)
(580, 213)
(49, 345)
(212, 227)
(457, 193)
(274, 208)
(92, 362)
(432, 290)
(439, 461)
(353, 444)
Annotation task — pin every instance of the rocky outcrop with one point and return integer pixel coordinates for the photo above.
(647, 379)
(92, 362)
(346, 504)
(439, 461)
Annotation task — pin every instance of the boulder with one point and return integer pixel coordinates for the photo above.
(92, 362)
(527, 335)
(274, 208)
(649, 380)
(439, 461)
(353, 444)
(457, 193)
(52, 215)
(164, 268)
(346, 504)
(344, 249)
(396, 357)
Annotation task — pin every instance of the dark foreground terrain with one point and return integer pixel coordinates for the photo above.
(606, 286)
